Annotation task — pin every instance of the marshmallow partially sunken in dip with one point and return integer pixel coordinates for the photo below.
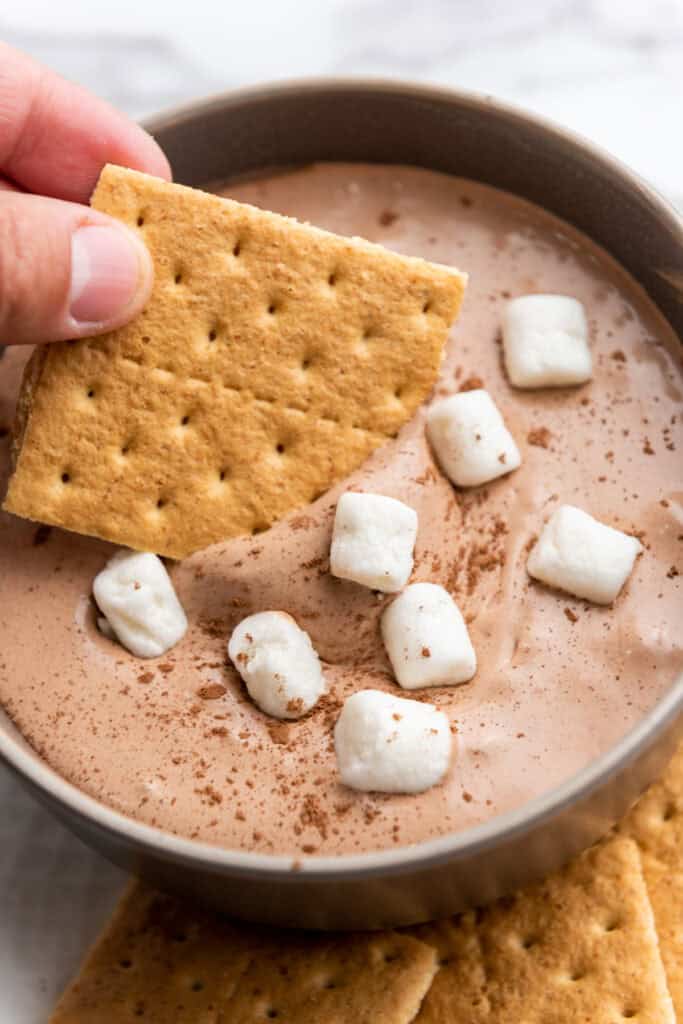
(278, 663)
(139, 605)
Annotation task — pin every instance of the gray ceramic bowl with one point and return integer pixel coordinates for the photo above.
(474, 137)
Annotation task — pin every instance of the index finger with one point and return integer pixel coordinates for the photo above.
(55, 137)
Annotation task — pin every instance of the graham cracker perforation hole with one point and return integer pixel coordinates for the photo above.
(90, 393)
(280, 449)
(197, 985)
(223, 475)
(141, 220)
(444, 961)
(66, 477)
(272, 1013)
(629, 1012)
(426, 306)
(528, 941)
(179, 276)
(259, 528)
(331, 983)
(668, 811)
(391, 956)
(272, 308)
(306, 363)
(162, 503)
(213, 334)
(332, 279)
(125, 963)
(612, 923)
(237, 249)
(185, 420)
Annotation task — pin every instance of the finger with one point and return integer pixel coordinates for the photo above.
(66, 271)
(55, 137)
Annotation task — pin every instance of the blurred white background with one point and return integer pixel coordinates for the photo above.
(610, 69)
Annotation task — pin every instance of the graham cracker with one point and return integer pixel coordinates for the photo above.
(167, 962)
(580, 946)
(656, 824)
(270, 361)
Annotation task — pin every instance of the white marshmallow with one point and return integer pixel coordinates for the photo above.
(390, 744)
(137, 599)
(278, 663)
(545, 342)
(470, 439)
(582, 556)
(426, 638)
(373, 541)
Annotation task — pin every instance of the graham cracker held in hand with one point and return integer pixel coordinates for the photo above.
(656, 824)
(271, 360)
(167, 962)
(581, 946)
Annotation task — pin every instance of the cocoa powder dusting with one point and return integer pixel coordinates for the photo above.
(472, 383)
(212, 691)
(540, 437)
(387, 218)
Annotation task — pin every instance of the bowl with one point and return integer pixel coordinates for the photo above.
(243, 132)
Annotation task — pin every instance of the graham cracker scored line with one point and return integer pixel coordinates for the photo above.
(271, 360)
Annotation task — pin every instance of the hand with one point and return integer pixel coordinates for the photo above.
(65, 270)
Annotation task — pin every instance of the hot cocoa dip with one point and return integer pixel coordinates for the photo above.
(177, 743)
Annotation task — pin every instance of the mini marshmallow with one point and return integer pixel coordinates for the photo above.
(545, 342)
(470, 439)
(426, 638)
(582, 556)
(137, 600)
(390, 744)
(278, 663)
(373, 541)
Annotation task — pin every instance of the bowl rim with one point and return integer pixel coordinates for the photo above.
(429, 853)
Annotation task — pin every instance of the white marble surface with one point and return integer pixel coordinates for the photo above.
(610, 69)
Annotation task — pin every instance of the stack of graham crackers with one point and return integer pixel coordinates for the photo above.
(600, 942)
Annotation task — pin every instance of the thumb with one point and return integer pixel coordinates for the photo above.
(66, 271)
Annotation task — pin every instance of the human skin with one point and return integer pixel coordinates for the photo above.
(66, 271)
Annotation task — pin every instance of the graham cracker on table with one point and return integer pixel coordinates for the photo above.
(166, 962)
(270, 361)
(656, 824)
(579, 947)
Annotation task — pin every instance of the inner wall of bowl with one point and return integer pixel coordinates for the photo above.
(462, 135)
